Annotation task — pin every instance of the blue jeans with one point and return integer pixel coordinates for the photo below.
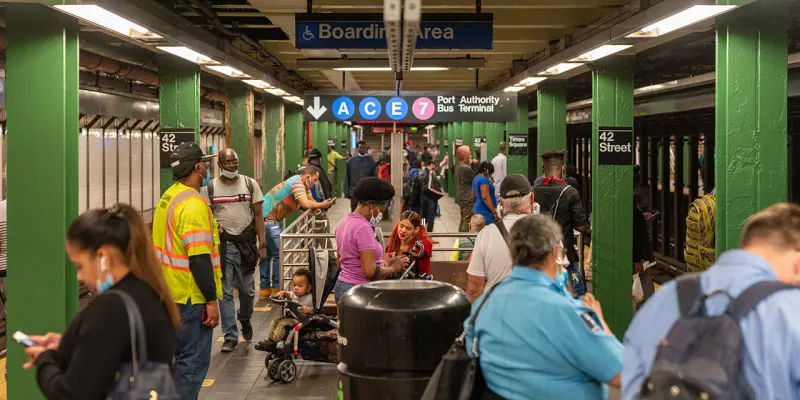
(429, 211)
(576, 279)
(232, 277)
(193, 350)
(341, 288)
(273, 234)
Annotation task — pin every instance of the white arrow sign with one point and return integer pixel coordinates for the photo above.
(316, 111)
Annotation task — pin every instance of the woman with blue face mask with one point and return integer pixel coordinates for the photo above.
(360, 255)
(562, 347)
(112, 252)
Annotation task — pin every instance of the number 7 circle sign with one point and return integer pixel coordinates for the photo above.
(423, 108)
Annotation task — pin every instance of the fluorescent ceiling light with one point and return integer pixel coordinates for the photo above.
(188, 54)
(429, 68)
(560, 68)
(600, 52)
(258, 83)
(293, 99)
(531, 81)
(277, 92)
(230, 71)
(370, 69)
(689, 16)
(513, 88)
(108, 20)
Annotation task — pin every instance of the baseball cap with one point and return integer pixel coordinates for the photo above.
(184, 158)
(514, 185)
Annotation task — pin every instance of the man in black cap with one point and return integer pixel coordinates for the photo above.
(491, 260)
(315, 160)
(186, 243)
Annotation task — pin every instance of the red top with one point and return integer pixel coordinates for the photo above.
(425, 260)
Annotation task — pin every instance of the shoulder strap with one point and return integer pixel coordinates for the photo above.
(753, 295)
(138, 338)
(501, 226)
(555, 207)
(471, 322)
(210, 191)
(250, 183)
(689, 290)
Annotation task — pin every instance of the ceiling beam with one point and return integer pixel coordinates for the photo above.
(437, 5)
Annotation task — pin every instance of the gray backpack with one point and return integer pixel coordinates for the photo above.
(701, 357)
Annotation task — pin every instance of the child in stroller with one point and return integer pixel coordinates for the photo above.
(301, 294)
(314, 335)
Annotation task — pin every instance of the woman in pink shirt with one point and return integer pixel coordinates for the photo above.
(360, 255)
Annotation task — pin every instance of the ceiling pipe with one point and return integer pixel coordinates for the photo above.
(110, 66)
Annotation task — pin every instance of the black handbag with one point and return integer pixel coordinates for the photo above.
(458, 376)
(141, 379)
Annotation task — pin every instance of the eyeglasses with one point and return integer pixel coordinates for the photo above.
(231, 163)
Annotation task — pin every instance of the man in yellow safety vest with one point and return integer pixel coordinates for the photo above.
(186, 241)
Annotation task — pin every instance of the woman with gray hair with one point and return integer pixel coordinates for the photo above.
(535, 341)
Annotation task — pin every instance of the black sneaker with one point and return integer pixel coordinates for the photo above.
(247, 330)
(228, 346)
(265, 345)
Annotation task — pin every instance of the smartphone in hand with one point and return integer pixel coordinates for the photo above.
(23, 339)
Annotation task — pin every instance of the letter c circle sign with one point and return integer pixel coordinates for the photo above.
(370, 108)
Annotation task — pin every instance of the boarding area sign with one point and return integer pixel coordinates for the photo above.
(367, 31)
(411, 107)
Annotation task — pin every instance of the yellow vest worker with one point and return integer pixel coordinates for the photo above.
(186, 242)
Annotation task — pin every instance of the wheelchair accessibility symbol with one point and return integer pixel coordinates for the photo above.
(307, 35)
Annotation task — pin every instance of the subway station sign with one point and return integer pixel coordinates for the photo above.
(411, 107)
(367, 31)
(615, 145)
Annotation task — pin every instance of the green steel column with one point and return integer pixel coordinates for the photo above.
(612, 185)
(274, 136)
(751, 114)
(551, 118)
(294, 137)
(239, 123)
(42, 64)
(466, 136)
(519, 164)
(494, 136)
(179, 100)
(320, 136)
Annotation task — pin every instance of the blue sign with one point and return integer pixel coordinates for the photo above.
(396, 108)
(344, 108)
(370, 108)
(367, 31)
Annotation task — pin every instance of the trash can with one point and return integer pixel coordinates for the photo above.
(392, 335)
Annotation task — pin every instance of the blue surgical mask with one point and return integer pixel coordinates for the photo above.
(103, 284)
(561, 279)
(206, 179)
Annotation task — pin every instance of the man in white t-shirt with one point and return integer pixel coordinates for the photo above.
(236, 203)
(499, 163)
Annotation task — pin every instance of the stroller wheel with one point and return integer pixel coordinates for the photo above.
(272, 368)
(287, 370)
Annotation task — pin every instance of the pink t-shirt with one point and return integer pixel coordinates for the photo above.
(354, 235)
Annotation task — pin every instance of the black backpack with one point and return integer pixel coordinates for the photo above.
(701, 357)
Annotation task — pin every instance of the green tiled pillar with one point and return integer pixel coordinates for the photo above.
(551, 118)
(612, 194)
(519, 164)
(751, 111)
(239, 124)
(466, 136)
(179, 100)
(42, 164)
(451, 139)
(274, 151)
(294, 138)
(494, 136)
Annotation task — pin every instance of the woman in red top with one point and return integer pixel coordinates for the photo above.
(407, 232)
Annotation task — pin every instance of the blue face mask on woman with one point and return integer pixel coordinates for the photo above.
(103, 284)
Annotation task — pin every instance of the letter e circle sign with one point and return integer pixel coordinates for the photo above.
(396, 108)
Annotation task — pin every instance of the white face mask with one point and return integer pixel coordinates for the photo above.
(229, 174)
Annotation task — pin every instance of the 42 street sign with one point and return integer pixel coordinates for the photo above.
(411, 107)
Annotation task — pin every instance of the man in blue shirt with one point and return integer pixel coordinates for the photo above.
(358, 168)
(770, 332)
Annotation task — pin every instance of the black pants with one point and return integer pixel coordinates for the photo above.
(428, 209)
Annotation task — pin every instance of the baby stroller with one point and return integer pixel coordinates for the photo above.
(314, 337)
(416, 252)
